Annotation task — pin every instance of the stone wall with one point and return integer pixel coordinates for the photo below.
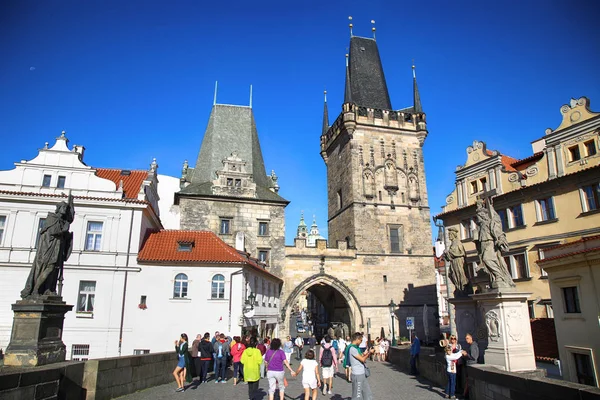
(108, 378)
(48, 382)
(489, 383)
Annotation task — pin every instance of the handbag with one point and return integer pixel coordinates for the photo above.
(367, 372)
(270, 359)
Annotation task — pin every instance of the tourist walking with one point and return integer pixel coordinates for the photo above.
(213, 341)
(236, 352)
(312, 342)
(299, 343)
(472, 357)
(360, 385)
(346, 364)
(328, 362)
(196, 356)
(275, 361)
(310, 375)
(386, 346)
(205, 350)
(263, 349)
(341, 349)
(288, 348)
(182, 370)
(222, 351)
(252, 360)
(415, 350)
(451, 359)
(363, 343)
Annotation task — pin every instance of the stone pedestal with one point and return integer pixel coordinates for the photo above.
(467, 319)
(36, 337)
(505, 317)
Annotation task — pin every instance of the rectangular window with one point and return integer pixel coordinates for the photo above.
(184, 246)
(584, 370)
(339, 198)
(396, 239)
(470, 270)
(474, 187)
(264, 293)
(270, 293)
(139, 352)
(61, 182)
(516, 216)
(263, 256)
(225, 228)
(591, 197)
(80, 352)
(385, 279)
(483, 184)
(504, 218)
(571, 299)
(574, 154)
(93, 238)
(531, 308)
(546, 207)
(238, 183)
(41, 224)
(263, 228)
(2, 227)
(46, 181)
(590, 148)
(87, 292)
(517, 266)
(465, 228)
(229, 181)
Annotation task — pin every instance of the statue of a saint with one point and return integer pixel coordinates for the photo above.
(54, 248)
(491, 242)
(455, 256)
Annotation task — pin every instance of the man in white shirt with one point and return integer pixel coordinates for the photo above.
(363, 343)
(299, 343)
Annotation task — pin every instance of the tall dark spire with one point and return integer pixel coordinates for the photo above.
(416, 97)
(365, 81)
(348, 88)
(325, 115)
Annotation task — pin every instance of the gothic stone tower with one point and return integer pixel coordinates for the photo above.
(377, 196)
(228, 191)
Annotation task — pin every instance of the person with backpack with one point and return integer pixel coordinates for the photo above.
(221, 351)
(328, 362)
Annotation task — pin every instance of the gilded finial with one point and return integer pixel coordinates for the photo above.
(373, 28)
(350, 25)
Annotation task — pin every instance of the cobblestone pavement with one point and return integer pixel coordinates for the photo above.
(386, 383)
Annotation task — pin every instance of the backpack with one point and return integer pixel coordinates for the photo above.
(327, 357)
(335, 345)
(220, 352)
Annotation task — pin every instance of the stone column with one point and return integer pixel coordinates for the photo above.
(36, 337)
(551, 162)
(505, 316)
(560, 163)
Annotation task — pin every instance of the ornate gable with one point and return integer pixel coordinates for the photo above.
(573, 113)
(233, 179)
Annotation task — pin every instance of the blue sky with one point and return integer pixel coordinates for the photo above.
(133, 80)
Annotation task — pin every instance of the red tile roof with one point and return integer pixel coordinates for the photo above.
(132, 180)
(526, 162)
(508, 162)
(545, 345)
(163, 247)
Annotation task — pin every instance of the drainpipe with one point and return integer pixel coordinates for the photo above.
(231, 295)
(125, 283)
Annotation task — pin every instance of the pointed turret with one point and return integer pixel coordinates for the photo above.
(325, 115)
(416, 97)
(301, 232)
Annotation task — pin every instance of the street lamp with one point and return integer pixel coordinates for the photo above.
(392, 307)
(250, 301)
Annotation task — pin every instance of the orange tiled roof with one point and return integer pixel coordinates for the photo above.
(131, 182)
(507, 162)
(162, 246)
(527, 161)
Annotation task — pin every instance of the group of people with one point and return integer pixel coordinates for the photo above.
(254, 358)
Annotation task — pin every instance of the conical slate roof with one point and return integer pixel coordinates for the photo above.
(366, 85)
(230, 129)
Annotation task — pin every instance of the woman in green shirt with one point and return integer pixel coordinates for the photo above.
(252, 359)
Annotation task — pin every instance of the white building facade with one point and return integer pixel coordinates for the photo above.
(115, 212)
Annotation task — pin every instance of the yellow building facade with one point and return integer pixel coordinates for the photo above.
(549, 198)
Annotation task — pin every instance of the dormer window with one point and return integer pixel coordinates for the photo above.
(185, 246)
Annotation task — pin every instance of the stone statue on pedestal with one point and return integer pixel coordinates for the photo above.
(54, 248)
(491, 242)
(456, 256)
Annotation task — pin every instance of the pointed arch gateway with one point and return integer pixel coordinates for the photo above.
(321, 279)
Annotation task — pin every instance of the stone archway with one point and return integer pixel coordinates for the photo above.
(354, 309)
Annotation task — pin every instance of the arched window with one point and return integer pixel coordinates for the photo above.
(218, 287)
(180, 286)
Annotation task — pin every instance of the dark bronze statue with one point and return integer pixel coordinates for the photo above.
(54, 248)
